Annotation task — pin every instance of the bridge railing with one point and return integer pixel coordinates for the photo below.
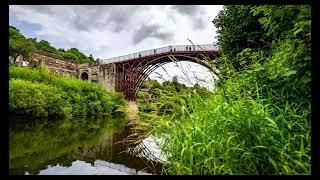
(177, 48)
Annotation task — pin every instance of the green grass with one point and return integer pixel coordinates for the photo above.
(242, 136)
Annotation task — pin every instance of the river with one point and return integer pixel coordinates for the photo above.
(80, 145)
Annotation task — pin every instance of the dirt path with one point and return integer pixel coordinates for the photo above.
(132, 111)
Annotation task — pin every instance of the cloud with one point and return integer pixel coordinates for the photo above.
(116, 17)
(189, 10)
(41, 9)
(192, 12)
(148, 31)
(88, 17)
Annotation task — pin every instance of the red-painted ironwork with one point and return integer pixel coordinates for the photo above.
(133, 69)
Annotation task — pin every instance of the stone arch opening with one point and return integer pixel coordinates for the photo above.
(84, 76)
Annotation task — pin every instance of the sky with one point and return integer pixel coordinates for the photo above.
(107, 31)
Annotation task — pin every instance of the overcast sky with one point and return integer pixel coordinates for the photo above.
(108, 31)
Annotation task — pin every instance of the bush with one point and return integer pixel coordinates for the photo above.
(147, 108)
(36, 99)
(33, 91)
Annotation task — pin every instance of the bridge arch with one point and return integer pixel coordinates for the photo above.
(140, 70)
(133, 69)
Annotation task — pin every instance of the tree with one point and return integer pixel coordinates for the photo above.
(155, 84)
(91, 57)
(290, 62)
(175, 79)
(76, 52)
(61, 50)
(239, 29)
(279, 20)
(167, 83)
(25, 47)
(46, 46)
(14, 33)
(68, 55)
(144, 85)
(18, 44)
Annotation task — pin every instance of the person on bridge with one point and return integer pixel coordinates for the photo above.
(154, 51)
(174, 49)
(139, 55)
(189, 48)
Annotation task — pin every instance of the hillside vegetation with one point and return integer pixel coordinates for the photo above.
(19, 44)
(34, 92)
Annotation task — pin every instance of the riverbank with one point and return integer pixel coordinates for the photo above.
(132, 111)
(36, 93)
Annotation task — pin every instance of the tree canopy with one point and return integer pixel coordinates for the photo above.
(239, 29)
(19, 44)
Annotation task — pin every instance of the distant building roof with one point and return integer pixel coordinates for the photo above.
(53, 55)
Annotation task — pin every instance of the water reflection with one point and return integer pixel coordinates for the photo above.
(99, 168)
(34, 145)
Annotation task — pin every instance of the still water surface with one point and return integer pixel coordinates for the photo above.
(81, 145)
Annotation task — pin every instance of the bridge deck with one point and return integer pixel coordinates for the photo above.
(179, 49)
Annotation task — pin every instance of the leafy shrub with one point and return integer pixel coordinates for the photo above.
(33, 91)
(37, 99)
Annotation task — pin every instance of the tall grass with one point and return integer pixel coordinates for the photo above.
(238, 135)
(250, 125)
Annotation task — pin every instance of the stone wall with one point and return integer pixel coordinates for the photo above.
(107, 76)
(93, 71)
(103, 74)
(55, 64)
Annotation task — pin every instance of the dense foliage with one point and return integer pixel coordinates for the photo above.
(18, 44)
(170, 97)
(237, 30)
(34, 92)
(258, 119)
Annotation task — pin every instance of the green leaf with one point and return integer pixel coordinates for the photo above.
(289, 73)
(263, 20)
